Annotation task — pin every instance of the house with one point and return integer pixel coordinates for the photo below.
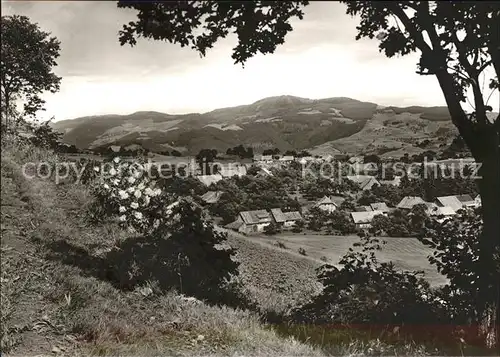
(477, 201)
(326, 204)
(327, 158)
(264, 172)
(442, 213)
(363, 209)
(380, 206)
(263, 158)
(396, 181)
(365, 182)
(467, 200)
(115, 148)
(287, 158)
(211, 196)
(355, 160)
(337, 200)
(304, 160)
(251, 221)
(409, 201)
(365, 168)
(232, 170)
(364, 219)
(207, 180)
(449, 201)
(286, 219)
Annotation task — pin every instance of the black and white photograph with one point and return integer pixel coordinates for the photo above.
(250, 178)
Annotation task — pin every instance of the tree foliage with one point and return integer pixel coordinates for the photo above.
(259, 25)
(457, 41)
(28, 57)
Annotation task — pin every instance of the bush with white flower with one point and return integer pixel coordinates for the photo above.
(127, 189)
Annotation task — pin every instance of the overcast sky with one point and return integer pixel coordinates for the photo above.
(320, 59)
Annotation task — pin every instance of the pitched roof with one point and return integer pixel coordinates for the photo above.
(442, 211)
(450, 201)
(364, 217)
(396, 181)
(234, 225)
(263, 157)
(379, 206)
(363, 209)
(324, 201)
(293, 216)
(254, 217)
(364, 181)
(359, 178)
(287, 158)
(337, 200)
(233, 170)
(278, 215)
(465, 199)
(409, 201)
(211, 196)
(355, 159)
(265, 171)
(207, 180)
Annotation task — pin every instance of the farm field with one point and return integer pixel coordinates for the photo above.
(406, 253)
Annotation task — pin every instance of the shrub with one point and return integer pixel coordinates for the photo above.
(271, 229)
(456, 255)
(45, 137)
(178, 247)
(366, 291)
(302, 251)
(298, 227)
(125, 190)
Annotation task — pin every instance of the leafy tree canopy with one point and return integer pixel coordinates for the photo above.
(28, 57)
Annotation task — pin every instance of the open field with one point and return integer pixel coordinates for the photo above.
(406, 253)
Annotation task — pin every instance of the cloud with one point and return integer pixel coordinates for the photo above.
(319, 59)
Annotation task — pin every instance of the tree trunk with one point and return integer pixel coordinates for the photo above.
(489, 187)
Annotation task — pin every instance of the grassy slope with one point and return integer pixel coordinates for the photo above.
(52, 299)
(57, 300)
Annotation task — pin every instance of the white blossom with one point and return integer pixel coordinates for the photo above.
(123, 195)
(146, 200)
(122, 209)
(112, 172)
(131, 180)
(148, 192)
(106, 186)
(123, 218)
(131, 189)
(138, 215)
(134, 205)
(137, 194)
(96, 168)
(116, 159)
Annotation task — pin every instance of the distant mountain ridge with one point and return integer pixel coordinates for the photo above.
(287, 122)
